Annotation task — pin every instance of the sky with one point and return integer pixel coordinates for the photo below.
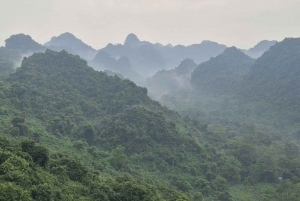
(240, 23)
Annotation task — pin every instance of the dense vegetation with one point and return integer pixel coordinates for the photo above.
(255, 120)
(73, 133)
(222, 73)
(29, 172)
(109, 123)
(224, 91)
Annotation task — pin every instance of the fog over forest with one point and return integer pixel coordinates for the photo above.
(88, 118)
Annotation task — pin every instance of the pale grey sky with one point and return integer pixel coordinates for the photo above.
(241, 23)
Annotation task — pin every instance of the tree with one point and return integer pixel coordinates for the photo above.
(39, 154)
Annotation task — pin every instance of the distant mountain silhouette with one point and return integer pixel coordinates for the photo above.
(132, 41)
(147, 58)
(71, 44)
(220, 73)
(24, 44)
(16, 47)
(104, 61)
(198, 52)
(260, 48)
(144, 59)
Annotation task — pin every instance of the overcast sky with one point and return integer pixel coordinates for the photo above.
(241, 23)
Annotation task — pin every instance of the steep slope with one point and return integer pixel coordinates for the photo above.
(275, 75)
(71, 44)
(260, 48)
(67, 76)
(219, 74)
(171, 81)
(111, 124)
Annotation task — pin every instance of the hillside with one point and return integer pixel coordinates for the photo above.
(28, 172)
(110, 124)
(274, 76)
(220, 74)
(171, 81)
(80, 134)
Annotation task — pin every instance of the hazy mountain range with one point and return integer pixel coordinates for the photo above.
(144, 57)
(69, 131)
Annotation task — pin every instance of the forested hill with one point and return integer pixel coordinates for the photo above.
(111, 125)
(55, 82)
(219, 74)
(274, 77)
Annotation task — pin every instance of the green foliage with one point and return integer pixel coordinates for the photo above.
(19, 125)
(90, 129)
(221, 73)
(11, 192)
(119, 159)
(39, 154)
(65, 179)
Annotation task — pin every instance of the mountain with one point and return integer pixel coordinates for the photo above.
(104, 61)
(274, 77)
(143, 57)
(24, 44)
(16, 47)
(197, 52)
(260, 48)
(171, 81)
(147, 58)
(68, 132)
(185, 67)
(110, 124)
(132, 41)
(221, 73)
(71, 44)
